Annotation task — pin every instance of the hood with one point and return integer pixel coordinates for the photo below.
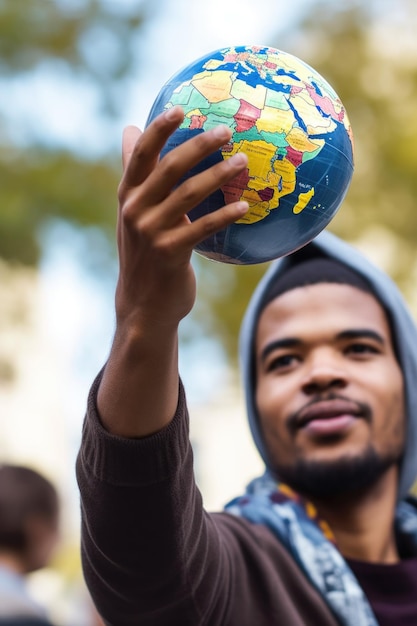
(403, 327)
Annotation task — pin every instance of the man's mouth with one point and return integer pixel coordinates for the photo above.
(328, 417)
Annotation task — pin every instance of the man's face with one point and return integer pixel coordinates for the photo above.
(329, 389)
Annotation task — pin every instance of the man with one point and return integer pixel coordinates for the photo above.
(329, 364)
(29, 514)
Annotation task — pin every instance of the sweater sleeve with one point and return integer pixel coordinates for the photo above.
(151, 555)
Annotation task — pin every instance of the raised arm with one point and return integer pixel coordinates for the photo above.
(156, 286)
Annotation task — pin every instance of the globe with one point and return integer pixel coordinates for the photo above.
(295, 132)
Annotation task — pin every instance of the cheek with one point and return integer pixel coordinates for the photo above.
(390, 420)
(269, 402)
(273, 409)
(396, 417)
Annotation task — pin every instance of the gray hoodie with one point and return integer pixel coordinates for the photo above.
(403, 327)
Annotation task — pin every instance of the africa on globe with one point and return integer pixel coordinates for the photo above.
(295, 132)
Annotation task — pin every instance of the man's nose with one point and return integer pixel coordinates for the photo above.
(323, 372)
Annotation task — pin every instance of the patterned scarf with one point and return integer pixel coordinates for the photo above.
(310, 541)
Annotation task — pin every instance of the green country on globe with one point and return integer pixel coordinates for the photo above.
(295, 132)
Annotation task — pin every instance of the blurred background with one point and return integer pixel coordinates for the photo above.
(73, 73)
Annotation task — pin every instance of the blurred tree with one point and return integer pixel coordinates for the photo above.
(90, 45)
(90, 42)
(368, 53)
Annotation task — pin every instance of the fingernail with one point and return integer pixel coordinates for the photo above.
(242, 207)
(173, 112)
(222, 132)
(239, 158)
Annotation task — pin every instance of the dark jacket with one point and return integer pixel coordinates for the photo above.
(153, 557)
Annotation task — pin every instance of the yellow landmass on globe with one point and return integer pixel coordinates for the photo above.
(193, 112)
(214, 87)
(255, 95)
(303, 200)
(260, 155)
(286, 171)
(298, 140)
(257, 210)
(274, 120)
(264, 172)
(298, 72)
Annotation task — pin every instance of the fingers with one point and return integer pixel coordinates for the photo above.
(149, 191)
(178, 162)
(141, 150)
(131, 135)
(195, 189)
(193, 233)
(186, 234)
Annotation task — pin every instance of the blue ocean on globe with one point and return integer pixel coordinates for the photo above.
(296, 134)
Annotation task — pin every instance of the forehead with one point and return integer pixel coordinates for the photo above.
(321, 308)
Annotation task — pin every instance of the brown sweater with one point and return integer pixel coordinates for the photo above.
(153, 557)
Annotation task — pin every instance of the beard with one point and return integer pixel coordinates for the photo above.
(333, 479)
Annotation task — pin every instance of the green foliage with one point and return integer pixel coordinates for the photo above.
(87, 40)
(40, 31)
(39, 185)
(368, 55)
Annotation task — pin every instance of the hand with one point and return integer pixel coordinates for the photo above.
(155, 235)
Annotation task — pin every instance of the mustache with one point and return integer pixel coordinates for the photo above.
(361, 409)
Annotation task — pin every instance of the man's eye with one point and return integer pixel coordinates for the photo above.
(362, 348)
(281, 362)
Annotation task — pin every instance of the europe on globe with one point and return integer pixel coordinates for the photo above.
(295, 131)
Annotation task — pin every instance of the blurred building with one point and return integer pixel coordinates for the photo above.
(32, 377)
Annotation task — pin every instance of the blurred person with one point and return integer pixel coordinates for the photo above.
(29, 521)
(328, 535)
